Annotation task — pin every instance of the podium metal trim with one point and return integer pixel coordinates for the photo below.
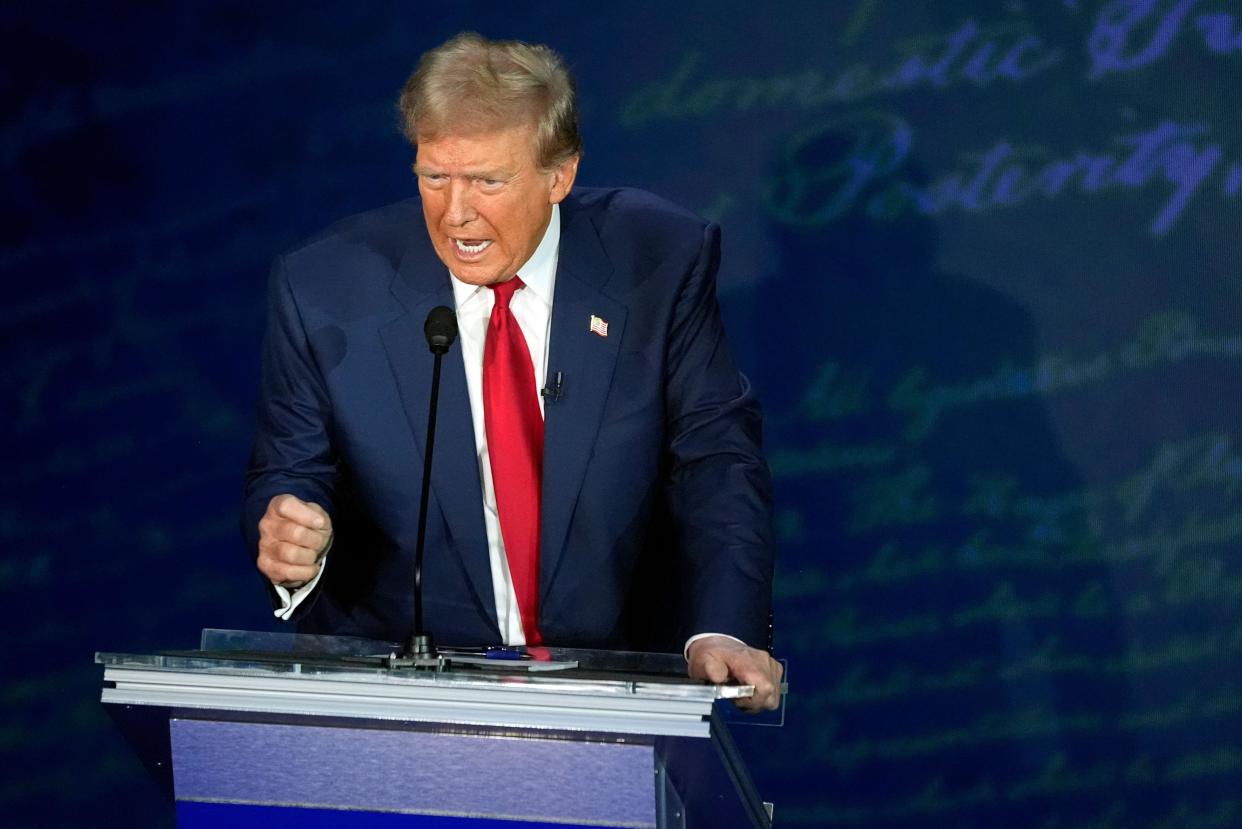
(644, 711)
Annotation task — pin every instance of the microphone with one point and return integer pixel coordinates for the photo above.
(441, 330)
(555, 389)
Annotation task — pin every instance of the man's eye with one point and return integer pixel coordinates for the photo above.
(491, 183)
(434, 179)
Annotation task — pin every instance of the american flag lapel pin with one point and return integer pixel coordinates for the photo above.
(599, 326)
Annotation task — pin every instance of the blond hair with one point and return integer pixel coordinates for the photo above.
(471, 84)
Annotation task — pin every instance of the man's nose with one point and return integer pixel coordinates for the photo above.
(460, 204)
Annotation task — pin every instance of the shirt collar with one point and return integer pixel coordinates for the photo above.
(538, 272)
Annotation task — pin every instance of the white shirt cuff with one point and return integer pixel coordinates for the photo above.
(290, 599)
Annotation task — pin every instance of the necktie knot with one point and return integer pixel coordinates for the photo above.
(505, 290)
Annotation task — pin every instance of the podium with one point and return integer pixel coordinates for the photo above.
(279, 730)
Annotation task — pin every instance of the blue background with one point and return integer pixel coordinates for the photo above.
(981, 261)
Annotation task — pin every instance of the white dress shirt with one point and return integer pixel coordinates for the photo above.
(532, 308)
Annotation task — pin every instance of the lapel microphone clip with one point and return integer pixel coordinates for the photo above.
(556, 390)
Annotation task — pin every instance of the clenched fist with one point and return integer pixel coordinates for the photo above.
(293, 537)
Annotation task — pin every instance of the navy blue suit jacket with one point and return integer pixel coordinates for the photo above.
(657, 502)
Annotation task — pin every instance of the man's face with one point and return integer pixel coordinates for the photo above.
(486, 201)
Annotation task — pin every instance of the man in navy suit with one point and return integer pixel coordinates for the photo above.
(597, 479)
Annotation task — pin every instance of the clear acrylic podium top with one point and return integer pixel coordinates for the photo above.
(299, 674)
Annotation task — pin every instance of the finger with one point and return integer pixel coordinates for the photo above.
(288, 553)
(744, 668)
(762, 695)
(301, 535)
(712, 668)
(285, 553)
(294, 576)
(768, 699)
(299, 511)
(285, 574)
(776, 670)
(322, 513)
(758, 669)
(748, 704)
(768, 689)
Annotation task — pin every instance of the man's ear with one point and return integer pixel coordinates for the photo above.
(563, 176)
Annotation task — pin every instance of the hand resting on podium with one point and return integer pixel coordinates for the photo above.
(719, 659)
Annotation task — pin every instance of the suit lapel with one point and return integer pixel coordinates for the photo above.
(586, 361)
(420, 285)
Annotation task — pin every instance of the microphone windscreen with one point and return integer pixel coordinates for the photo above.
(440, 328)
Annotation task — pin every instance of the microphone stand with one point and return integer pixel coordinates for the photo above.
(419, 650)
(420, 645)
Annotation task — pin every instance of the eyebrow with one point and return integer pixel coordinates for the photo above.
(498, 175)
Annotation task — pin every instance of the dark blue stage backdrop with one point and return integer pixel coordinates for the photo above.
(983, 262)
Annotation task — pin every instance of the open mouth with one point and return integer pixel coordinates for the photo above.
(471, 247)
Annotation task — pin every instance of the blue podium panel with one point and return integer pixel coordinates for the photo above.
(341, 772)
(318, 731)
(193, 815)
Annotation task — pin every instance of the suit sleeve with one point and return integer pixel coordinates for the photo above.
(292, 450)
(719, 486)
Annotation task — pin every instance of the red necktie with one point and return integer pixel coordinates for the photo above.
(515, 448)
